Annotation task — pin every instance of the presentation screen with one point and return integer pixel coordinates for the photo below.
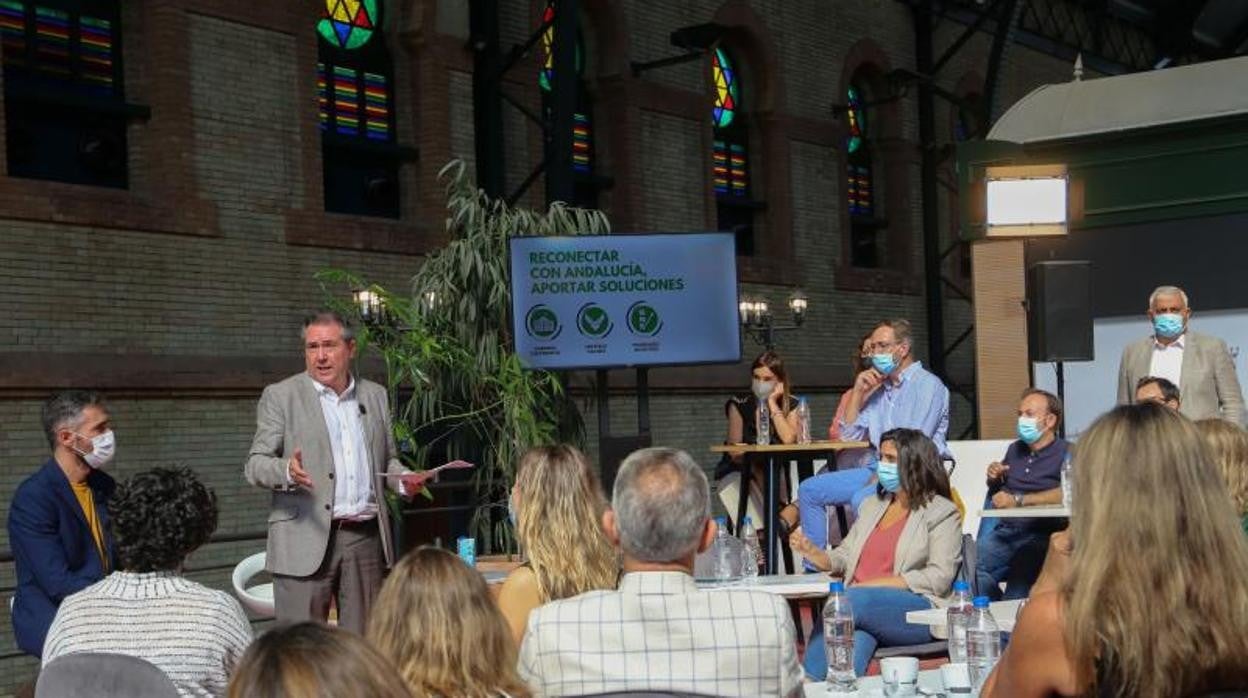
(625, 300)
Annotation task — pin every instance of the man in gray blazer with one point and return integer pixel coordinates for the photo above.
(1200, 365)
(324, 447)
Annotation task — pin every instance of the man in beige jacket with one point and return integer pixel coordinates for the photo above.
(324, 448)
(1200, 365)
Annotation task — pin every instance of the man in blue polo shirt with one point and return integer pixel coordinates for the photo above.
(1012, 550)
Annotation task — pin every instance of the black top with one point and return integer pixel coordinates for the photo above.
(747, 407)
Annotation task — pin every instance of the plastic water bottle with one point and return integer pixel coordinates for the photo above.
(958, 618)
(751, 553)
(838, 638)
(983, 643)
(724, 565)
(803, 421)
(1068, 483)
(764, 424)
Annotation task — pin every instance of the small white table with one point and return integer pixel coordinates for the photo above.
(790, 586)
(935, 618)
(1054, 512)
(873, 686)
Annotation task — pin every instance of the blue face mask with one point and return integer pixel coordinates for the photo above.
(1029, 430)
(1168, 325)
(890, 480)
(884, 363)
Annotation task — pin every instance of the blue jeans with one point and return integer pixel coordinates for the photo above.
(816, 494)
(1012, 551)
(879, 621)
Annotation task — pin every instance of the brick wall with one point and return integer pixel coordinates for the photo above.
(181, 297)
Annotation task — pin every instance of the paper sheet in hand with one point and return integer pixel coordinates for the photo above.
(453, 465)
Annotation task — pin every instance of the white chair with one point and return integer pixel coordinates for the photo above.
(969, 475)
(257, 599)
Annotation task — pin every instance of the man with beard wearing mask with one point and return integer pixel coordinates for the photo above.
(1199, 365)
(58, 521)
(1030, 475)
(894, 392)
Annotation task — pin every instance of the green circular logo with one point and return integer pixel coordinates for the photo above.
(643, 319)
(593, 321)
(542, 323)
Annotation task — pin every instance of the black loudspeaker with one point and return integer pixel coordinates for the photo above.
(1059, 311)
(612, 450)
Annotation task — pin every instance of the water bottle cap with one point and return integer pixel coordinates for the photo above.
(801, 400)
(721, 521)
(746, 521)
(961, 586)
(981, 602)
(836, 587)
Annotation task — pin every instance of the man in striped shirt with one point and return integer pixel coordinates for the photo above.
(194, 634)
(658, 631)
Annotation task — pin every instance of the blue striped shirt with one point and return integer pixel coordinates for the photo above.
(917, 401)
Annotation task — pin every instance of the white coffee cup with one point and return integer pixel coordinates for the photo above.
(956, 678)
(900, 675)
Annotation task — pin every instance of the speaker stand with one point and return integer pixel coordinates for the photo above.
(1060, 370)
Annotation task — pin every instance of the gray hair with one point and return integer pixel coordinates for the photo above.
(326, 316)
(1166, 291)
(64, 411)
(662, 502)
(902, 333)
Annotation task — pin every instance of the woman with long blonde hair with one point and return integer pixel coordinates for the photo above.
(1147, 593)
(1229, 446)
(435, 620)
(556, 506)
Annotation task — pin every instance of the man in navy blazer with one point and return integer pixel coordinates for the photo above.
(58, 522)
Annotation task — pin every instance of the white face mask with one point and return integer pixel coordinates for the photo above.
(103, 448)
(762, 389)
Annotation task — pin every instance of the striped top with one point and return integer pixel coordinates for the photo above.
(194, 634)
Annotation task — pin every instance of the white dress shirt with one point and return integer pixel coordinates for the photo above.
(659, 632)
(353, 480)
(1167, 361)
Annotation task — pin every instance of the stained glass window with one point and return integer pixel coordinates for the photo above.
(735, 211)
(352, 77)
(864, 233)
(858, 171)
(856, 120)
(354, 82)
(728, 162)
(724, 77)
(63, 87)
(348, 24)
(62, 45)
(582, 119)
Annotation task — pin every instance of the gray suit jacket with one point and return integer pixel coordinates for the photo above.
(289, 417)
(928, 553)
(1208, 386)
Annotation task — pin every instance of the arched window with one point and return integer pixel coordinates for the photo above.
(355, 90)
(586, 184)
(864, 227)
(65, 110)
(730, 153)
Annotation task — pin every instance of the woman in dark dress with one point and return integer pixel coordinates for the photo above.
(770, 387)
